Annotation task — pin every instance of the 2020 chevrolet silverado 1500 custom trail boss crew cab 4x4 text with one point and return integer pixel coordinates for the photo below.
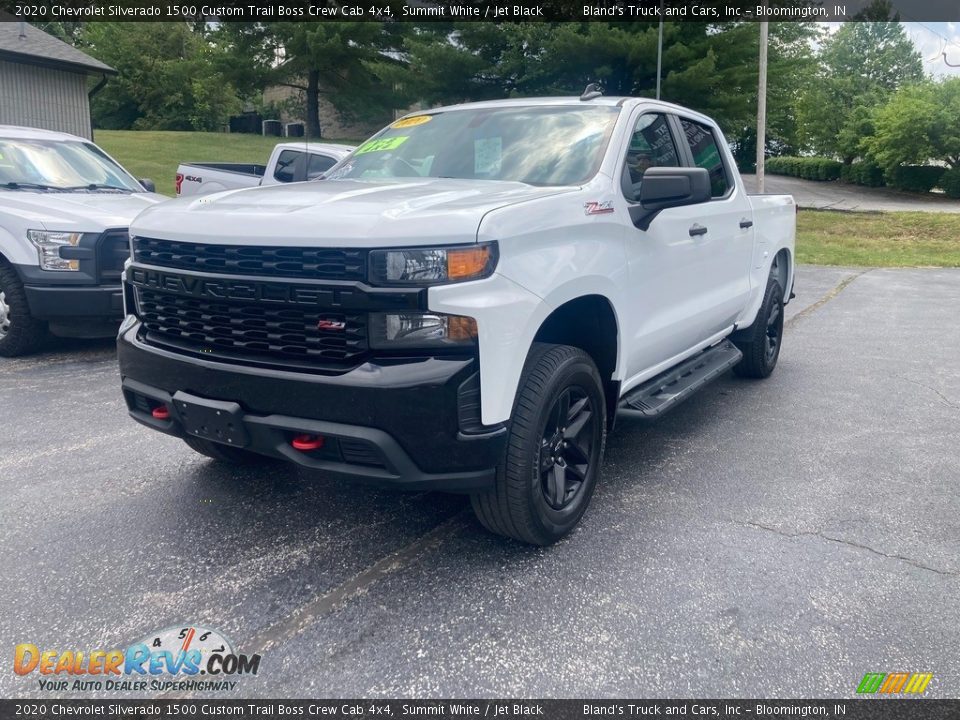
(465, 303)
(64, 210)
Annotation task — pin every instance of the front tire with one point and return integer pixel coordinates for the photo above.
(760, 343)
(20, 333)
(224, 453)
(554, 452)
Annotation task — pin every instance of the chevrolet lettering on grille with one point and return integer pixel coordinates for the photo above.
(237, 290)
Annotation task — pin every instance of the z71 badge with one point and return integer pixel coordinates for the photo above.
(595, 207)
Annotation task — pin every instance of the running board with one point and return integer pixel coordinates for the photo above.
(672, 387)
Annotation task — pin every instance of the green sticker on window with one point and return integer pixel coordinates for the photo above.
(382, 144)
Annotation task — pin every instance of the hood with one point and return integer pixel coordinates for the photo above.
(358, 213)
(75, 211)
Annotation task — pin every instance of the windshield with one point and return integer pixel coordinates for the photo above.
(59, 165)
(537, 145)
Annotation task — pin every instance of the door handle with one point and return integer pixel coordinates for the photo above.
(697, 229)
(746, 224)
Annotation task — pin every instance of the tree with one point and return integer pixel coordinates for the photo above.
(69, 31)
(350, 63)
(861, 65)
(166, 81)
(918, 124)
(709, 67)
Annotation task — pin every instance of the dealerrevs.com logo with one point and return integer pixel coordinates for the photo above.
(176, 659)
(894, 683)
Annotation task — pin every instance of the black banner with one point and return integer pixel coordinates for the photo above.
(483, 10)
(872, 709)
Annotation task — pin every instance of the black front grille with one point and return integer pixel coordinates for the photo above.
(289, 334)
(113, 249)
(293, 262)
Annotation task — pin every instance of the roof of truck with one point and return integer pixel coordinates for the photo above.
(334, 148)
(605, 101)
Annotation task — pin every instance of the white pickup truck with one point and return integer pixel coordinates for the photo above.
(64, 210)
(289, 162)
(466, 303)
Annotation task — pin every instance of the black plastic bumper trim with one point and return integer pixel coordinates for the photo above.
(406, 407)
(50, 302)
(270, 435)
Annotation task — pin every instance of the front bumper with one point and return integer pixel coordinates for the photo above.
(53, 302)
(391, 422)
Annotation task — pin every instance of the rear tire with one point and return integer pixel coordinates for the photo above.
(20, 333)
(760, 343)
(557, 435)
(224, 453)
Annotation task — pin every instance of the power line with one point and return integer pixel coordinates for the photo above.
(946, 40)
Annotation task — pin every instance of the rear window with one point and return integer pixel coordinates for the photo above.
(318, 165)
(706, 154)
(286, 165)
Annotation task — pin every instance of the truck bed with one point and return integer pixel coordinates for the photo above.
(239, 168)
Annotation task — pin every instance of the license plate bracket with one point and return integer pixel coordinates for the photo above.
(216, 420)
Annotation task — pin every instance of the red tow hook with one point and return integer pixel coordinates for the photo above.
(306, 443)
(161, 412)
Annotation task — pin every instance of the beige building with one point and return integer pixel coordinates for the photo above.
(44, 81)
(332, 127)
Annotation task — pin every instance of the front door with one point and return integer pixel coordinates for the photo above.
(686, 283)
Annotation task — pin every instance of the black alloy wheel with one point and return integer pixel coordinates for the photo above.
(566, 447)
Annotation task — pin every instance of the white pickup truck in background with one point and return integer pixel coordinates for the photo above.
(465, 303)
(289, 162)
(65, 206)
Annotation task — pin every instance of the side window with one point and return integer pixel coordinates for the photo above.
(651, 145)
(317, 165)
(286, 165)
(706, 154)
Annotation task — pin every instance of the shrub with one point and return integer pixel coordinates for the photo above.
(950, 182)
(808, 168)
(915, 178)
(829, 169)
(863, 173)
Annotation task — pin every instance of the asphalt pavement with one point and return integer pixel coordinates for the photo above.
(835, 195)
(772, 538)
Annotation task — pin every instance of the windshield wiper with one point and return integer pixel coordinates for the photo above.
(96, 186)
(27, 186)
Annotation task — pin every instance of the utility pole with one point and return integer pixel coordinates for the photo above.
(762, 107)
(660, 49)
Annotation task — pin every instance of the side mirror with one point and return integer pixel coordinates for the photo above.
(148, 184)
(667, 187)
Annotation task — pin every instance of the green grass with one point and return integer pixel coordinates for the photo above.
(895, 239)
(155, 154)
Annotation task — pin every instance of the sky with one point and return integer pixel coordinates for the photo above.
(932, 47)
(932, 39)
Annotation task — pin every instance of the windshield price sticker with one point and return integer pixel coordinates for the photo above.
(382, 144)
(411, 121)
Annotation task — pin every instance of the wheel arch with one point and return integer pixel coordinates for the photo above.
(15, 249)
(782, 269)
(589, 322)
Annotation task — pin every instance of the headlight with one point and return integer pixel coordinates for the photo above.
(432, 266)
(48, 247)
(400, 331)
